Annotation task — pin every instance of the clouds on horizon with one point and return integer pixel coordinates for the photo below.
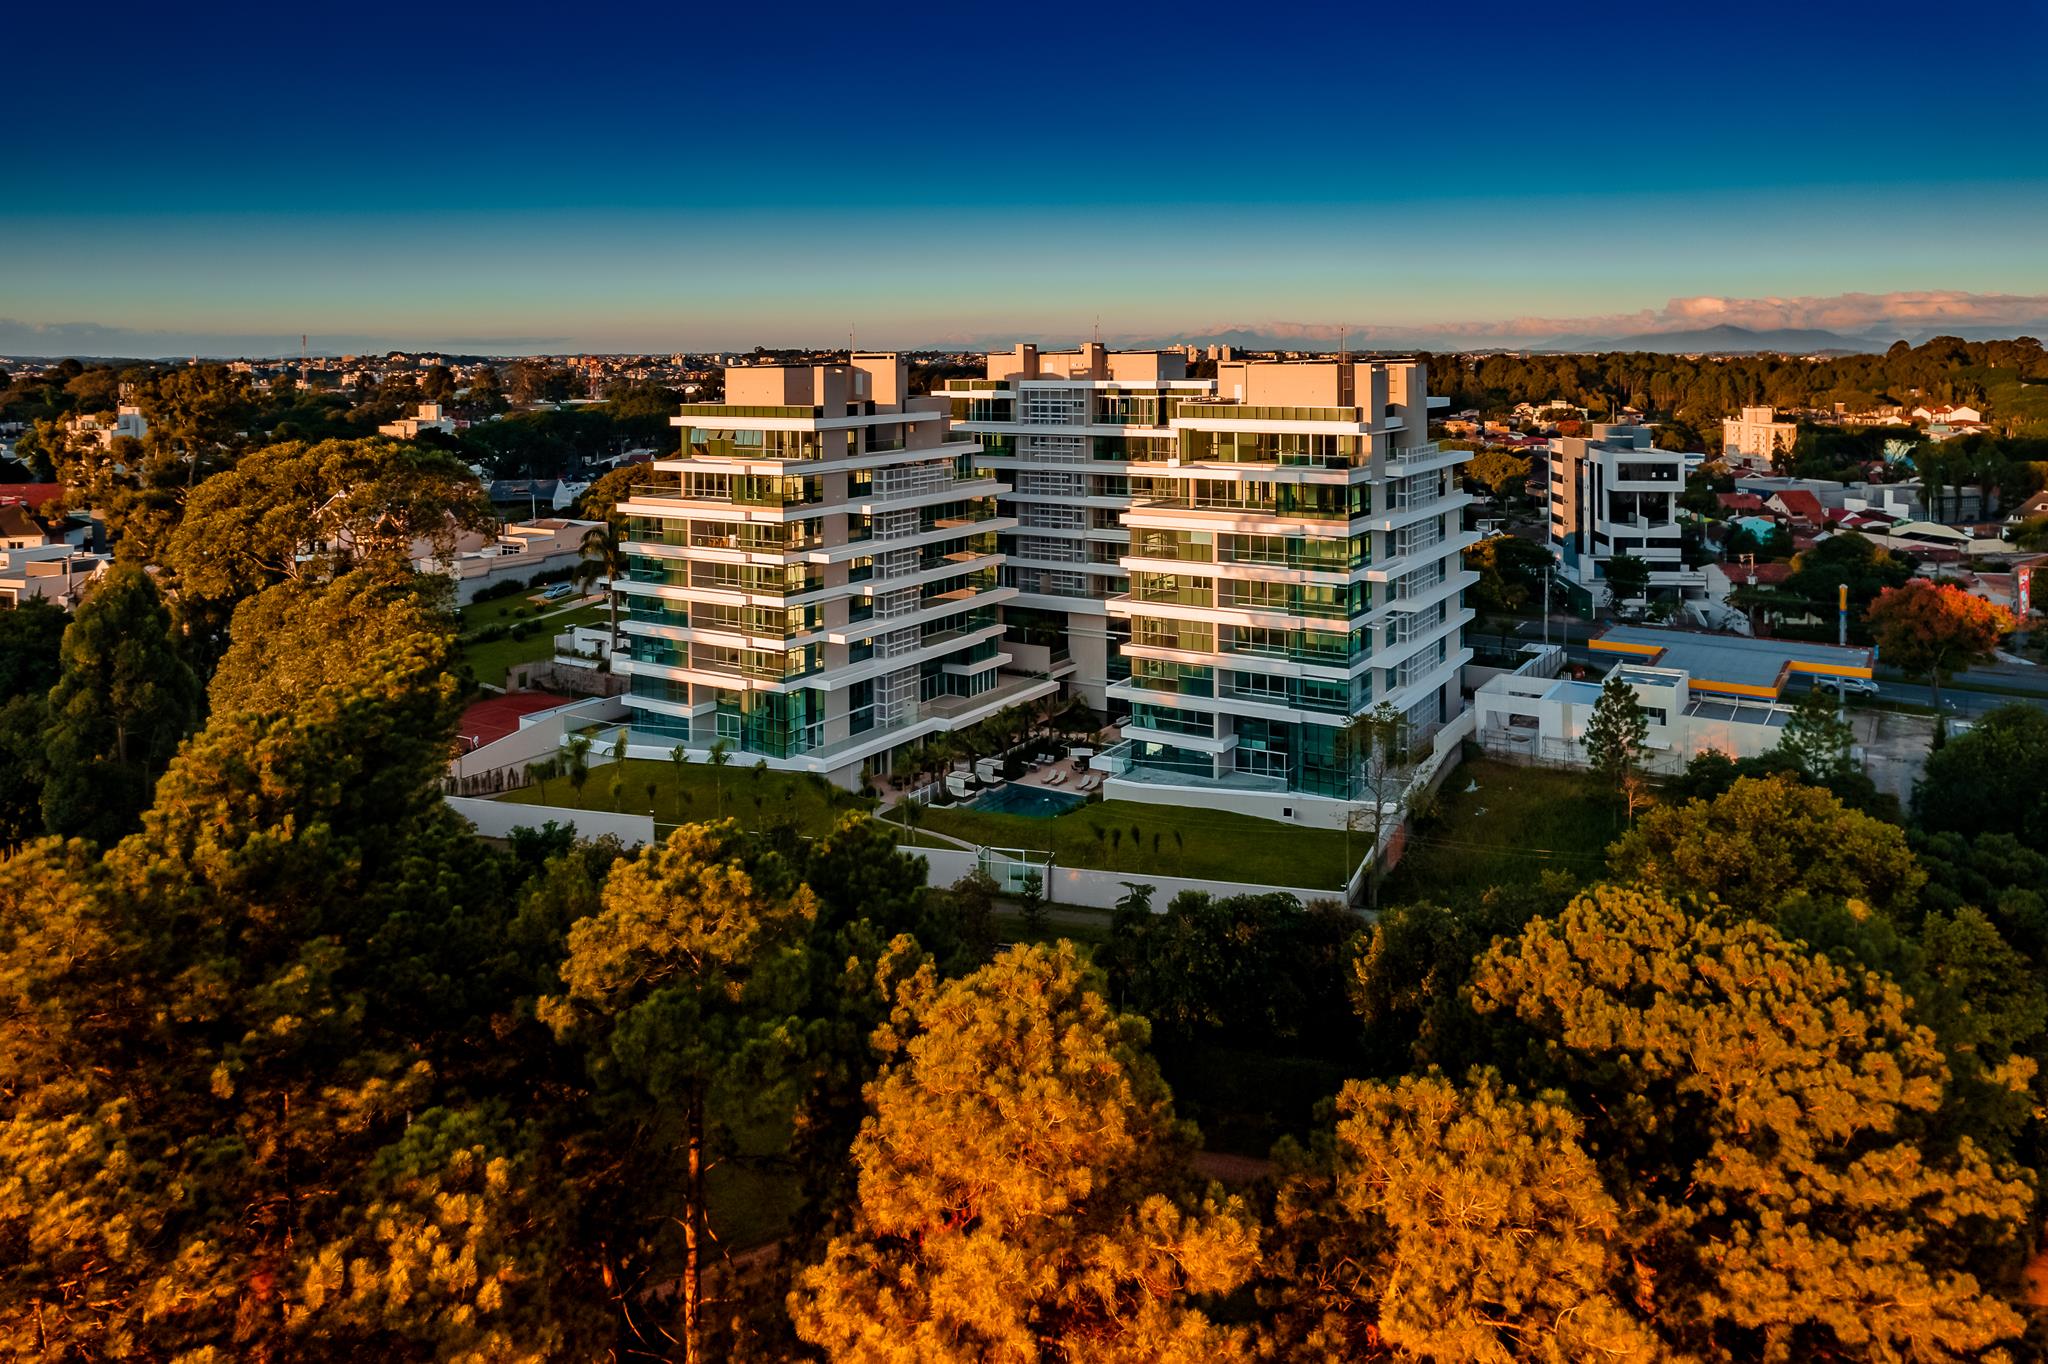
(1913, 314)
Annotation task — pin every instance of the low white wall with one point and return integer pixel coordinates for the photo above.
(944, 866)
(512, 567)
(1092, 889)
(1102, 889)
(497, 819)
(1309, 812)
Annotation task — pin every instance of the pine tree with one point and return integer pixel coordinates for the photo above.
(1760, 1110)
(1616, 735)
(1818, 738)
(123, 702)
(683, 995)
(1023, 1190)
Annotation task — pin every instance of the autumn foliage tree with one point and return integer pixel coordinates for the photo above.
(1936, 629)
(1454, 1222)
(308, 512)
(1759, 1111)
(1023, 1193)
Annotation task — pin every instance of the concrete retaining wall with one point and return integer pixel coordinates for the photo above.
(497, 819)
(1091, 889)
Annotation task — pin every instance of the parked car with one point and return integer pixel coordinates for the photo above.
(1846, 686)
(557, 592)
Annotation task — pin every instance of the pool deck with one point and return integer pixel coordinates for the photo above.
(1066, 801)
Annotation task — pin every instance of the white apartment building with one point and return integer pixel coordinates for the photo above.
(822, 587)
(128, 423)
(1294, 562)
(1752, 442)
(1613, 493)
(1065, 430)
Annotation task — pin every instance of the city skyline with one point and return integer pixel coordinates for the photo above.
(476, 187)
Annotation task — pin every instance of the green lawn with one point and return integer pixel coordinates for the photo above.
(1169, 841)
(755, 799)
(491, 660)
(1518, 823)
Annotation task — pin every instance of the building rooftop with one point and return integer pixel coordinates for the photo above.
(1731, 664)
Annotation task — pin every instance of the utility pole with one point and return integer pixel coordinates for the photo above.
(1546, 605)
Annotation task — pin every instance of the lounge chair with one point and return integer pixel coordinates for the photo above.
(1055, 779)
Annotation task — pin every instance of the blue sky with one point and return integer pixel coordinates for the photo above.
(604, 178)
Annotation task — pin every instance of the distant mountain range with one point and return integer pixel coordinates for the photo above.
(1725, 339)
(1721, 340)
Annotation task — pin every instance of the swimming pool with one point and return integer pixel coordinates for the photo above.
(1031, 802)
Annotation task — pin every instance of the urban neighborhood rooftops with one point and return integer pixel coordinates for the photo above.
(1731, 664)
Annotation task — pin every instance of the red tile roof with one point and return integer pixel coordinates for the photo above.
(1740, 502)
(1801, 504)
(34, 494)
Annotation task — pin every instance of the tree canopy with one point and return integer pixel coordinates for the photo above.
(1022, 1189)
(1766, 840)
(1992, 779)
(297, 511)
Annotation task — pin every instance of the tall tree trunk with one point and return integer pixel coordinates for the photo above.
(693, 1239)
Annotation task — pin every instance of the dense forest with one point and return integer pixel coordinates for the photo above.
(2007, 379)
(295, 1067)
(215, 410)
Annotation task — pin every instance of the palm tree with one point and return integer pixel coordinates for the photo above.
(913, 815)
(721, 754)
(579, 763)
(680, 756)
(604, 557)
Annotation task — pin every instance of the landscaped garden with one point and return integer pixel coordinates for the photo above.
(755, 797)
(499, 634)
(1497, 824)
(1161, 840)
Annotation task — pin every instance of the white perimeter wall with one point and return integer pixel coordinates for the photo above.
(1100, 889)
(498, 818)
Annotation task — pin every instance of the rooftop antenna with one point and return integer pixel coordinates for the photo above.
(851, 331)
(1098, 329)
(1343, 345)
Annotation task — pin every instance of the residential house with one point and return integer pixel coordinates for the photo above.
(54, 573)
(1798, 506)
(428, 418)
(19, 530)
(128, 423)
